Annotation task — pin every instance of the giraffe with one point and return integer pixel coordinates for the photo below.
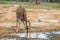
(21, 15)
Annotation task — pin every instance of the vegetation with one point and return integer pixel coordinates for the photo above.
(37, 1)
(32, 5)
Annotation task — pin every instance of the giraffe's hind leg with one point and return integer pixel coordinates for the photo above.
(17, 24)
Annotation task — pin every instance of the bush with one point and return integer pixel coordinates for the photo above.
(2, 0)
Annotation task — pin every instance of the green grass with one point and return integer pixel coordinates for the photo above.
(44, 6)
(33, 5)
(13, 2)
(51, 5)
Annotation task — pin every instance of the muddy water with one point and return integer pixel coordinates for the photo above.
(34, 35)
(38, 34)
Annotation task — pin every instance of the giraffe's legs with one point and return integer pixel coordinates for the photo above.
(17, 24)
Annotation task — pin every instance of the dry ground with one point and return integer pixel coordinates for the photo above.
(41, 19)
